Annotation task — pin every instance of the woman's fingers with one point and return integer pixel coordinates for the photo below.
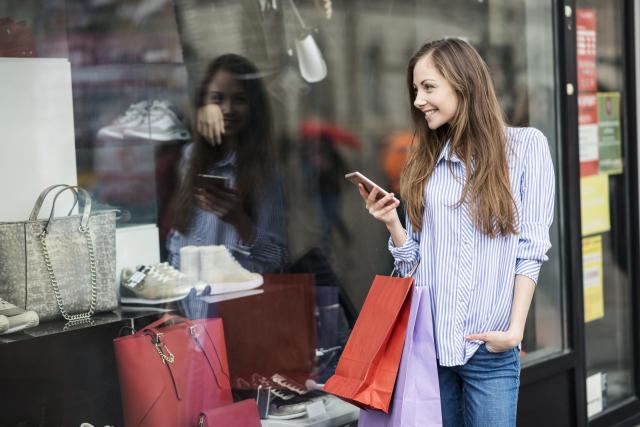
(373, 194)
(217, 132)
(363, 192)
(387, 209)
(382, 202)
(221, 121)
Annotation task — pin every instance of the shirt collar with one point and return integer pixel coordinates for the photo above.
(230, 160)
(451, 155)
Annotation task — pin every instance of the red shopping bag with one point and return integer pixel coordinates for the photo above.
(168, 375)
(367, 370)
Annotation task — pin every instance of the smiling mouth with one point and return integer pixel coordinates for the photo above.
(429, 113)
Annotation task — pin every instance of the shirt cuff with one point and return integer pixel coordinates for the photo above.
(402, 252)
(529, 268)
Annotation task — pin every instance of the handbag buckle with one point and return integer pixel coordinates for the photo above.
(162, 349)
(193, 330)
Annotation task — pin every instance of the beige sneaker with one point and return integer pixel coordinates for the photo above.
(16, 318)
(181, 278)
(224, 273)
(151, 285)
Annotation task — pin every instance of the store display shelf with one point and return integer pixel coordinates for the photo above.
(128, 317)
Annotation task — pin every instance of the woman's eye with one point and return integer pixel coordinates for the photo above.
(215, 98)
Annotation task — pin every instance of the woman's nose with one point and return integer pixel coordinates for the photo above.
(226, 106)
(419, 101)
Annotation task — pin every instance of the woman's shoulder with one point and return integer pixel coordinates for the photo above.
(525, 136)
(522, 140)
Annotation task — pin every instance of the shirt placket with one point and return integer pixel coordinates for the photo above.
(465, 275)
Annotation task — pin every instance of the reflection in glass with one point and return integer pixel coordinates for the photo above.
(229, 193)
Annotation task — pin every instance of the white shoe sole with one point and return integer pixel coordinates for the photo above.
(223, 288)
(147, 301)
(158, 135)
(29, 321)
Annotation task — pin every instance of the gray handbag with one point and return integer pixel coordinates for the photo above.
(60, 266)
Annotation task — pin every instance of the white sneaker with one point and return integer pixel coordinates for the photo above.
(4, 324)
(135, 115)
(157, 287)
(162, 125)
(224, 273)
(16, 318)
(181, 278)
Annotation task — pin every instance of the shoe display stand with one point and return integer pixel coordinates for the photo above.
(338, 413)
(63, 374)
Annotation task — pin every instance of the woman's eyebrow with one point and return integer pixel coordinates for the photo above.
(427, 80)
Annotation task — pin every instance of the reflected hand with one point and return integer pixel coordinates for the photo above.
(210, 123)
(220, 201)
(226, 204)
(383, 209)
(497, 341)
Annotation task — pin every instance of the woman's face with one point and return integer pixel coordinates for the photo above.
(435, 96)
(227, 92)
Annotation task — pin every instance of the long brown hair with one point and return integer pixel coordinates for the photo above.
(476, 134)
(254, 153)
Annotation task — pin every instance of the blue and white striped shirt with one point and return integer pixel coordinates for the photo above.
(268, 252)
(470, 275)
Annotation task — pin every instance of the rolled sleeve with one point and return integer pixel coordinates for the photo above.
(408, 255)
(268, 252)
(537, 192)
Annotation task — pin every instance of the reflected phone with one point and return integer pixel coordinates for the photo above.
(210, 181)
(358, 178)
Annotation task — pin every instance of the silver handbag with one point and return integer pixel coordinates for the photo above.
(60, 266)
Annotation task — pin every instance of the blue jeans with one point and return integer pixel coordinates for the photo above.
(483, 392)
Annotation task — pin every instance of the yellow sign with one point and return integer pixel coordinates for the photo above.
(594, 204)
(592, 278)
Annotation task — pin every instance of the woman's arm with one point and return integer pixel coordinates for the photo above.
(404, 245)
(499, 341)
(537, 193)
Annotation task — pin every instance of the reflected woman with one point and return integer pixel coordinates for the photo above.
(244, 210)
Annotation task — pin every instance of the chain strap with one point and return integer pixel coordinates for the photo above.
(54, 282)
(166, 358)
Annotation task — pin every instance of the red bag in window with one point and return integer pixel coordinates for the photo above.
(16, 39)
(240, 414)
(168, 375)
(368, 367)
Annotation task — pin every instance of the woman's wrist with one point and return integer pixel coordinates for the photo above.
(398, 233)
(515, 335)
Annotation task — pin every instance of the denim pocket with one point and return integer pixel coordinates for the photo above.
(498, 353)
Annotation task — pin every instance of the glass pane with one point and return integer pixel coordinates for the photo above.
(604, 189)
(222, 131)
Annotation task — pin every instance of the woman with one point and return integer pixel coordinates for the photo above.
(479, 198)
(234, 141)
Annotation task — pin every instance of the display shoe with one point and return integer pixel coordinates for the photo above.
(181, 278)
(16, 317)
(163, 124)
(289, 399)
(135, 115)
(150, 285)
(4, 324)
(224, 273)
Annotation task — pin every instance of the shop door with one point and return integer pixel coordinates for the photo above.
(609, 238)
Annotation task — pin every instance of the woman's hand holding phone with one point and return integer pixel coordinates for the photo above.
(382, 209)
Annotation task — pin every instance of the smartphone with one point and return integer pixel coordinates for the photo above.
(209, 181)
(358, 178)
